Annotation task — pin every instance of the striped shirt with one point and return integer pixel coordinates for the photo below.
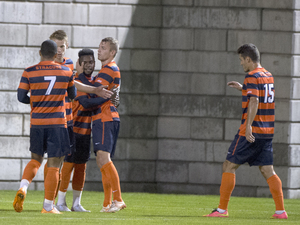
(47, 83)
(108, 75)
(68, 104)
(259, 83)
(82, 117)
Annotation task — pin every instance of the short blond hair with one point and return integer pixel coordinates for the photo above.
(59, 35)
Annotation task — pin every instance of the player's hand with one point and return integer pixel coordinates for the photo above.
(101, 91)
(115, 99)
(249, 135)
(235, 84)
(79, 67)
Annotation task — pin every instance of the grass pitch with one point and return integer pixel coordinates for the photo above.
(144, 208)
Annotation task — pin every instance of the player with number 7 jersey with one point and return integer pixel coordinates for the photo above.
(47, 82)
(259, 83)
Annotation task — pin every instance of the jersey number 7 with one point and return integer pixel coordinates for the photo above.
(51, 84)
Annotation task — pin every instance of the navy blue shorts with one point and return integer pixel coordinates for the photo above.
(105, 135)
(258, 153)
(82, 151)
(72, 138)
(54, 141)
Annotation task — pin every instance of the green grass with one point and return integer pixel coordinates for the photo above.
(144, 208)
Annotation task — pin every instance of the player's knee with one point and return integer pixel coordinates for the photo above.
(229, 167)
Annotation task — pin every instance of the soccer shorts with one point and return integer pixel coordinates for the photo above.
(82, 151)
(54, 141)
(105, 135)
(72, 139)
(258, 153)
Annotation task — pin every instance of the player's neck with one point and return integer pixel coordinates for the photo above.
(254, 66)
(105, 62)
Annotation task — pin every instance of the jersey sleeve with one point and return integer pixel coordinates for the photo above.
(251, 85)
(23, 89)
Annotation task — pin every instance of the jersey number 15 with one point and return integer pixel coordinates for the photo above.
(269, 93)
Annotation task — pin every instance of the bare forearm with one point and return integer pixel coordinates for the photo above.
(84, 88)
(252, 110)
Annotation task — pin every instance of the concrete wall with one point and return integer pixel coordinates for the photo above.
(178, 117)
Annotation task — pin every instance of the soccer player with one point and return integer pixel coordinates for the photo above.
(105, 125)
(253, 142)
(82, 130)
(61, 39)
(47, 82)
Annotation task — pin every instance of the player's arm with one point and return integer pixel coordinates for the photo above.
(235, 84)
(23, 89)
(87, 102)
(101, 91)
(23, 96)
(251, 113)
(72, 92)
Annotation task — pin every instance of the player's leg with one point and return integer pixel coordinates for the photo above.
(81, 157)
(103, 161)
(37, 156)
(58, 145)
(29, 173)
(107, 191)
(275, 186)
(232, 163)
(51, 183)
(77, 185)
(66, 172)
(111, 173)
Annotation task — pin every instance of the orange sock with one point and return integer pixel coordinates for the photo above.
(51, 182)
(106, 188)
(58, 185)
(275, 186)
(78, 176)
(66, 176)
(113, 177)
(45, 170)
(227, 186)
(31, 170)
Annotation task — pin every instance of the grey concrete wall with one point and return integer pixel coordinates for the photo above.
(177, 115)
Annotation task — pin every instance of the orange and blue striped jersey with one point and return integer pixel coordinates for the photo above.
(108, 75)
(259, 83)
(68, 104)
(82, 117)
(47, 83)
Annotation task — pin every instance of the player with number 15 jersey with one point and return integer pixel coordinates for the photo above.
(259, 83)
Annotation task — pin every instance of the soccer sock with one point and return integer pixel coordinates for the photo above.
(51, 183)
(106, 189)
(29, 173)
(45, 170)
(113, 177)
(58, 185)
(76, 197)
(61, 198)
(275, 186)
(227, 186)
(79, 176)
(66, 176)
(24, 184)
(48, 204)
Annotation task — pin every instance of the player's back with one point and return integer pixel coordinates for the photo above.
(260, 84)
(47, 82)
